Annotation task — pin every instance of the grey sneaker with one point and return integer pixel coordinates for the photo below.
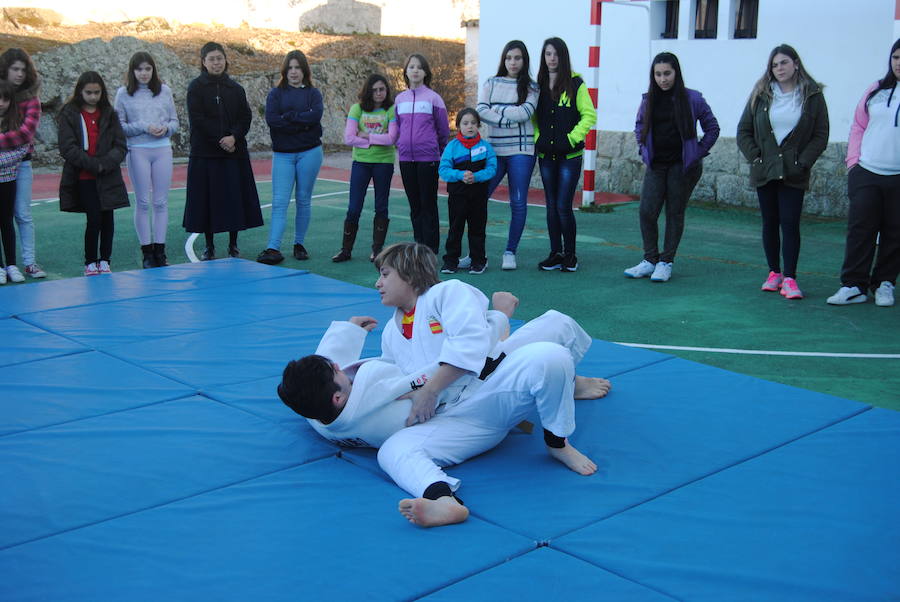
(464, 263)
(662, 272)
(35, 271)
(641, 270)
(884, 294)
(847, 295)
(14, 274)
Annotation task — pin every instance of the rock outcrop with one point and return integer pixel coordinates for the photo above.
(338, 79)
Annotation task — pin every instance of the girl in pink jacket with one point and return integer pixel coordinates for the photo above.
(873, 185)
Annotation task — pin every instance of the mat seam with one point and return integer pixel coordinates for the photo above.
(159, 294)
(163, 504)
(80, 418)
(715, 472)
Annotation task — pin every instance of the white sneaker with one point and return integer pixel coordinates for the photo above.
(662, 272)
(14, 274)
(847, 295)
(2, 276)
(464, 263)
(641, 270)
(103, 267)
(884, 294)
(509, 261)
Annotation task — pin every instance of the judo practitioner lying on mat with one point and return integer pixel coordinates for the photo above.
(448, 386)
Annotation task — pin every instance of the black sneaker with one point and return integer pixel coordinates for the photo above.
(208, 254)
(233, 251)
(570, 262)
(554, 261)
(270, 257)
(478, 268)
(448, 269)
(300, 252)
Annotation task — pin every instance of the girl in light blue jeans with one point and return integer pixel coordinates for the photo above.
(294, 114)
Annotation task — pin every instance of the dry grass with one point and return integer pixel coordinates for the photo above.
(252, 49)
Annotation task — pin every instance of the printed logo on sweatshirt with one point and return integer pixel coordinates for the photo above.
(420, 106)
(435, 325)
(478, 151)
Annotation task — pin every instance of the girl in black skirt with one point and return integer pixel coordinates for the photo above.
(221, 191)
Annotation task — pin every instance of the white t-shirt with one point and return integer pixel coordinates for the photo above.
(784, 112)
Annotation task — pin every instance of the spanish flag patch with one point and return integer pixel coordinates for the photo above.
(435, 325)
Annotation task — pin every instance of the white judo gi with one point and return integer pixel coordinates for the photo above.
(452, 326)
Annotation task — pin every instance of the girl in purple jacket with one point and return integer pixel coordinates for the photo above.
(666, 132)
(422, 134)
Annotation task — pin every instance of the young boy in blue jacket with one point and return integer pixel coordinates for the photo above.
(467, 165)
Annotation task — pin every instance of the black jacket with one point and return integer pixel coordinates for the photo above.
(791, 162)
(111, 151)
(217, 107)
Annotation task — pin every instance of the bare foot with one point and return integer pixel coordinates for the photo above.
(574, 459)
(591, 388)
(505, 302)
(433, 513)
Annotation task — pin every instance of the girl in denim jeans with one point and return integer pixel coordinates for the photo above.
(294, 114)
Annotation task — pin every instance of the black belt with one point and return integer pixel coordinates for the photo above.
(490, 365)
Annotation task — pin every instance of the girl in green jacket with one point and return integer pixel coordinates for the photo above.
(782, 132)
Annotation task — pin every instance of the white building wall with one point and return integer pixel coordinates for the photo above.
(843, 45)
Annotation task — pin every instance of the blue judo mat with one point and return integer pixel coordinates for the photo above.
(144, 455)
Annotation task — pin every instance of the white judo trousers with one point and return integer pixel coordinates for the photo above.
(534, 375)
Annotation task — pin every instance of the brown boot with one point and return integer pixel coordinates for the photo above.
(379, 233)
(347, 243)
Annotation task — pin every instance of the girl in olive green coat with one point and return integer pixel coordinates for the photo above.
(782, 132)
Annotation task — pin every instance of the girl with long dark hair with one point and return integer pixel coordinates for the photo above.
(92, 144)
(782, 132)
(147, 113)
(666, 133)
(10, 159)
(565, 115)
(506, 104)
(17, 68)
(873, 185)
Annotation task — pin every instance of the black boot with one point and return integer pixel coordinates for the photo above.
(347, 243)
(159, 254)
(149, 259)
(379, 233)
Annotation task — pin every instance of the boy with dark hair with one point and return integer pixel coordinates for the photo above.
(433, 375)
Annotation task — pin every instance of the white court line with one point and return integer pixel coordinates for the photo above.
(189, 243)
(877, 356)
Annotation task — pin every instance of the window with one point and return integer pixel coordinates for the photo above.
(706, 18)
(670, 30)
(745, 22)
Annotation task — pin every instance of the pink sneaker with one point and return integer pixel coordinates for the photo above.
(773, 282)
(790, 290)
(91, 269)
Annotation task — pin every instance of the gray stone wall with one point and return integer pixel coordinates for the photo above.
(726, 175)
